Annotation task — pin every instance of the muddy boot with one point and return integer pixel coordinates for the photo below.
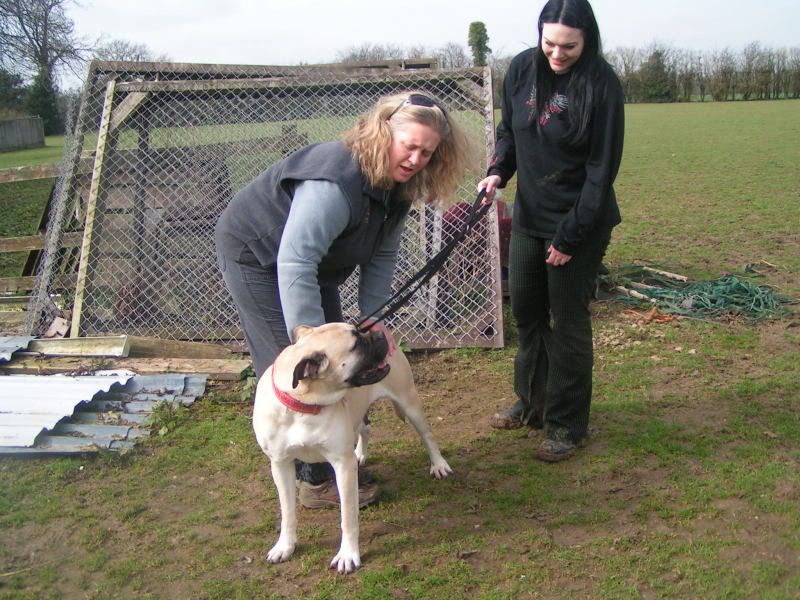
(326, 495)
(558, 446)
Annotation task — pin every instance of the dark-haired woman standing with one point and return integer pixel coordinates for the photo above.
(561, 133)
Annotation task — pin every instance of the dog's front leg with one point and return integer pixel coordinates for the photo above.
(283, 474)
(348, 559)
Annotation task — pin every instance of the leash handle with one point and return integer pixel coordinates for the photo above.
(401, 297)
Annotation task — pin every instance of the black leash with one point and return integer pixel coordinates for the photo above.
(403, 295)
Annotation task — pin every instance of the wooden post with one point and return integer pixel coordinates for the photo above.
(94, 191)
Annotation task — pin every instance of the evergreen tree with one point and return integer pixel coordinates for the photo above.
(478, 42)
(43, 101)
(654, 79)
(12, 91)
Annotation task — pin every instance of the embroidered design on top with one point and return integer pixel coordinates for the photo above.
(556, 105)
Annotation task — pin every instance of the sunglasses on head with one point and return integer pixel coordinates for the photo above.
(420, 100)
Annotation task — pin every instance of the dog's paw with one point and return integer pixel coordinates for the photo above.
(346, 561)
(280, 552)
(440, 470)
(361, 458)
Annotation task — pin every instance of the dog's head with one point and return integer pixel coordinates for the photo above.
(335, 356)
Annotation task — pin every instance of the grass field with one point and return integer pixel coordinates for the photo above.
(49, 155)
(689, 488)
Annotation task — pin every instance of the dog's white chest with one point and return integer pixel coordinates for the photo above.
(284, 434)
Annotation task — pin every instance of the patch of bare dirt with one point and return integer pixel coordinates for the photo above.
(459, 395)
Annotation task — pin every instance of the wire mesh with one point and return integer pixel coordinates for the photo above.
(159, 150)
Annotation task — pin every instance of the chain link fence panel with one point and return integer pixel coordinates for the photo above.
(158, 150)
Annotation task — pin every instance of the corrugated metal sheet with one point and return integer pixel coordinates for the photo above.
(113, 419)
(9, 345)
(32, 403)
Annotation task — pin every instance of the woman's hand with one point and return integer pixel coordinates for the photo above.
(556, 258)
(379, 326)
(490, 184)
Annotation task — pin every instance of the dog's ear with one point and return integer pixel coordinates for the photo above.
(301, 331)
(309, 367)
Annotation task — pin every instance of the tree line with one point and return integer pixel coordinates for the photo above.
(39, 44)
(664, 74)
(658, 73)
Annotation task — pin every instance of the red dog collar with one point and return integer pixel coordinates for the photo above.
(293, 403)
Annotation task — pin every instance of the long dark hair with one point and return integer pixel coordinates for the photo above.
(585, 85)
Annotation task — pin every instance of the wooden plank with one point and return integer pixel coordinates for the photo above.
(28, 173)
(216, 368)
(142, 347)
(12, 321)
(88, 230)
(36, 242)
(126, 108)
(65, 281)
(117, 346)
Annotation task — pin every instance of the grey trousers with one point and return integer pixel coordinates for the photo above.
(254, 290)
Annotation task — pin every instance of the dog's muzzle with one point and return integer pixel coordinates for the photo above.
(372, 347)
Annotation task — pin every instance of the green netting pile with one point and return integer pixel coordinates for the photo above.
(728, 295)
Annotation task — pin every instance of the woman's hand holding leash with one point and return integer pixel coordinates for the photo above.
(490, 184)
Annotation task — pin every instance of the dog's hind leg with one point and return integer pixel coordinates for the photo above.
(413, 413)
(284, 476)
(363, 440)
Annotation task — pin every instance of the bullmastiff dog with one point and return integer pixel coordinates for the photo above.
(310, 405)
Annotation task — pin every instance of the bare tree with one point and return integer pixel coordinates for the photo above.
(780, 80)
(370, 53)
(748, 61)
(722, 75)
(626, 62)
(118, 49)
(452, 56)
(765, 74)
(499, 66)
(686, 73)
(793, 72)
(37, 37)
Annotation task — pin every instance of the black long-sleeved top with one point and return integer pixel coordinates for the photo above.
(563, 192)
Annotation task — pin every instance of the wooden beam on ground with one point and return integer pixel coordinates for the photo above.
(110, 346)
(28, 173)
(37, 242)
(149, 347)
(666, 274)
(216, 368)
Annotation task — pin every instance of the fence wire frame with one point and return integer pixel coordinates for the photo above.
(181, 139)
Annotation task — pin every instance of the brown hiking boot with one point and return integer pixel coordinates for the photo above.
(325, 495)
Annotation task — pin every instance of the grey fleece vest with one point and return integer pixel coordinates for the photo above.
(250, 228)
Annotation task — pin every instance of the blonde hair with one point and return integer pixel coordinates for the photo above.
(370, 138)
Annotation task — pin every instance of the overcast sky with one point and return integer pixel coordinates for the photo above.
(282, 32)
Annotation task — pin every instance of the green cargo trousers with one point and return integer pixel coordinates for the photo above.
(553, 366)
